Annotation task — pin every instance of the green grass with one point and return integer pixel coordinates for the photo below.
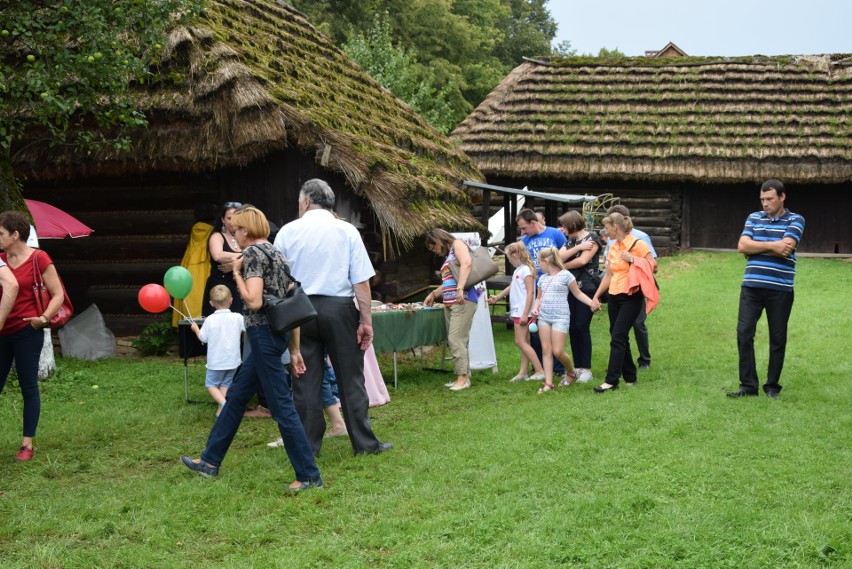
(670, 473)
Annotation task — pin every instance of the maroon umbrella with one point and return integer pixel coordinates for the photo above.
(53, 223)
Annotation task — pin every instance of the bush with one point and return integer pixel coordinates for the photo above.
(155, 339)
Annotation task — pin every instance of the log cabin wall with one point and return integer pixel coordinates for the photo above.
(655, 209)
(711, 216)
(141, 226)
(714, 215)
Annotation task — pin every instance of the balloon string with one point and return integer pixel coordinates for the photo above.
(181, 313)
(186, 305)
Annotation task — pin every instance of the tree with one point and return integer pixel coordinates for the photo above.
(66, 69)
(564, 49)
(462, 48)
(395, 68)
(611, 53)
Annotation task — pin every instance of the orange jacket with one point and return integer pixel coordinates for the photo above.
(641, 276)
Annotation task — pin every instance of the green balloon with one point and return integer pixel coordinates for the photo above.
(178, 282)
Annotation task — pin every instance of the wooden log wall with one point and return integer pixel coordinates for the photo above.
(655, 209)
(141, 230)
(142, 227)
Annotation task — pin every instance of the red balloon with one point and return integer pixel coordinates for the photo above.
(154, 298)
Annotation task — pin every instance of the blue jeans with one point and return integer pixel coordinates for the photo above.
(24, 347)
(263, 367)
(329, 388)
(778, 305)
(329, 385)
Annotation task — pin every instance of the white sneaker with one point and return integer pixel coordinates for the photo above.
(518, 378)
(584, 376)
(536, 377)
(278, 443)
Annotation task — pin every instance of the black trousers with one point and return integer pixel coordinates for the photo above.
(640, 332)
(623, 310)
(778, 305)
(334, 330)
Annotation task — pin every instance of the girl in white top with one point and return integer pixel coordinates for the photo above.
(553, 314)
(521, 296)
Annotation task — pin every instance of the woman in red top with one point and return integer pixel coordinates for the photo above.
(21, 338)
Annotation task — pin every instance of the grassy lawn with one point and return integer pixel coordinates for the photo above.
(670, 473)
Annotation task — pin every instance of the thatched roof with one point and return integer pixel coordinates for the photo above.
(253, 76)
(692, 119)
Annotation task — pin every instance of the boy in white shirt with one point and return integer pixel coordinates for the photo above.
(222, 331)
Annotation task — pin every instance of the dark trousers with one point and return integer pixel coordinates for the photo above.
(334, 330)
(623, 310)
(24, 347)
(579, 333)
(640, 331)
(778, 305)
(535, 342)
(263, 366)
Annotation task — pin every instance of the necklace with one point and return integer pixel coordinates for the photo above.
(232, 239)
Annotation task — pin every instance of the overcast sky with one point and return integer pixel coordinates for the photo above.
(715, 27)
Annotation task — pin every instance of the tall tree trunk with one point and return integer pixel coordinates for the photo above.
(10, 192)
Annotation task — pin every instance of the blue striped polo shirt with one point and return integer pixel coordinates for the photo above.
(769, 271)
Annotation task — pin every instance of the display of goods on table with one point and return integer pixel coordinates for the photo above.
(401, 307)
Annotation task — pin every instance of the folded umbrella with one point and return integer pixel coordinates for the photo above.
(53, 223)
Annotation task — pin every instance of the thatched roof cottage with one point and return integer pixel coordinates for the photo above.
(684, 141)
(250, 101)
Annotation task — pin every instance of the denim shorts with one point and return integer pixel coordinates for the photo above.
(221, 378)
(558, 324)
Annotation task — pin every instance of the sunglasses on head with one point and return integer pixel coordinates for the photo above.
(233, 204)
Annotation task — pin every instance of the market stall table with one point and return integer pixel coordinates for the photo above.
(398, 330)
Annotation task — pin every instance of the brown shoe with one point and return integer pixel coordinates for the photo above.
(258, 412)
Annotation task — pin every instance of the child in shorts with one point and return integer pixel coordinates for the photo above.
(521, 295)
(222, 332)
(554, 316)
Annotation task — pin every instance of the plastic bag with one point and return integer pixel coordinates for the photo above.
(86, 336)
(46, 362)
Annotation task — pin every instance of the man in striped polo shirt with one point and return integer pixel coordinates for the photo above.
(769, 242)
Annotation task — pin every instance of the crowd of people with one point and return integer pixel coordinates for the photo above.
(557, 285)
(555, 288)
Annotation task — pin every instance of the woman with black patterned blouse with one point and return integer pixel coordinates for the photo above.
(261, 269)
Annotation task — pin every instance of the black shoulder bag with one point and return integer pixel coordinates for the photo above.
(290, 311)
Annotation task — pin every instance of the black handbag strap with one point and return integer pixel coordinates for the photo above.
(272, 263)
(290, 280)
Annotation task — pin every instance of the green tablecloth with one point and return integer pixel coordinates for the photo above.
(402, 330)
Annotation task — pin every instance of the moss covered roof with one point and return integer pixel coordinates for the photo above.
(253, 76)
(714, 120)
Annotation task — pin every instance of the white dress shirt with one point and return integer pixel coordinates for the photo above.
(325, 254)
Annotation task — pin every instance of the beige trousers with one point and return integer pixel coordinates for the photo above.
(458, 318)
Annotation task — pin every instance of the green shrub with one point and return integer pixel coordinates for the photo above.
(155, 339)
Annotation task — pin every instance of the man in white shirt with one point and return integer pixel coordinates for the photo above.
(328, 257)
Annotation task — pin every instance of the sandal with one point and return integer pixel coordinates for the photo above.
(568, 380)
(545, 388)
